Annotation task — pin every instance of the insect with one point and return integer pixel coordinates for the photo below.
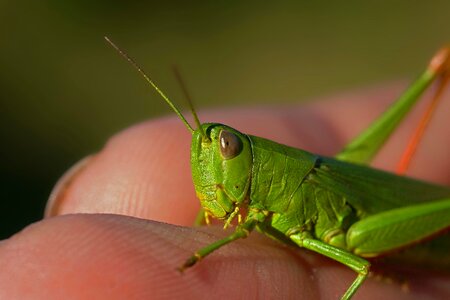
(337, 207)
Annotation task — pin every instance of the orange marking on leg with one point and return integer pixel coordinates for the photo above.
(440, 63)
(440, 66)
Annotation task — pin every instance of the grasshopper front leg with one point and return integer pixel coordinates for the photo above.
(242, 231)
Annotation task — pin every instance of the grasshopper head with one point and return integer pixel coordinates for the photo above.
(221, 156)
(221, 162)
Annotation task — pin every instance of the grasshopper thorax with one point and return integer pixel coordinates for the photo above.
(221, 162)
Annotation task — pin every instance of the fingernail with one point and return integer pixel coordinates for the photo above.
(58, 193)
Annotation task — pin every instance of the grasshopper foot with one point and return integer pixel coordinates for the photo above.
(189, 262)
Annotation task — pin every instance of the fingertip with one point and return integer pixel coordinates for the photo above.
(116, 257)
(142, 171)
(92, 257)
(58, 193)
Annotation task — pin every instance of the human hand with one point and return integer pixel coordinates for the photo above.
(114, 251)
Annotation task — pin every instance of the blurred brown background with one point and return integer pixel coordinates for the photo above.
(63, 91)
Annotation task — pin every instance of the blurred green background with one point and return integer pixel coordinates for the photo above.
(63, 91)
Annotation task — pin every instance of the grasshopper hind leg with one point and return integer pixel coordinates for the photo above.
(367, 144)
(395, 229)
(440, 65)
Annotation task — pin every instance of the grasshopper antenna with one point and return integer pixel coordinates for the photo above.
(147, 78)
(186, 94)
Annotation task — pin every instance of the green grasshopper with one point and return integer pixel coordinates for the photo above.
(337, 207)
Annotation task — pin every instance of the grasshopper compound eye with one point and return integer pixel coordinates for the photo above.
(230, 144)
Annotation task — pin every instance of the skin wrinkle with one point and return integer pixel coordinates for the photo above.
(156, 255)
(140, 188)
(307, 260)
(236, 257)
